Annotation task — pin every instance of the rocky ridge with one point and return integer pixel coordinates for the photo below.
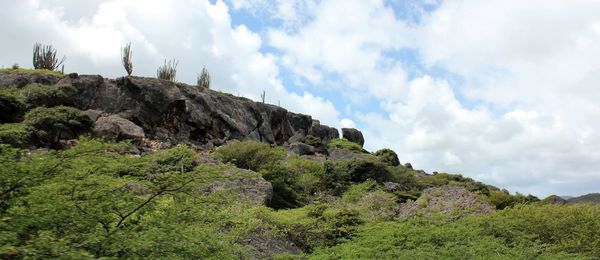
(176, 112)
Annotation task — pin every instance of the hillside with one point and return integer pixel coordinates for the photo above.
(146, 168)
(588, 198)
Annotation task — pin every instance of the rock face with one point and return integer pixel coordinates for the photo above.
(180, 113)
(117, 128)
(451, 200)
(353, 135)
(324, 132)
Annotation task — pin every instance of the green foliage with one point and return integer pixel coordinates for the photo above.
(93, 202)
(315, 225)
(17, 135)
(441, 179)
(49, 125)
(339, 176)
(388, 156)
(36, 95)
(502, 199)
(250, 155)
(343, 143)
(12, 106)
(15, 102)
(526, 232)
(57, 74)
(314, 141)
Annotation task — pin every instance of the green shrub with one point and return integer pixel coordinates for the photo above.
(250, 155)
(314, 141)
(17, 135)
(12, 106)
(36, 95)
(502, 199)
(388, 156)
(343, 143)
(523, 232)
(377, 206)
(49, 125)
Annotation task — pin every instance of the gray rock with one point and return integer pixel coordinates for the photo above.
(93, 114)
(298, 137)
(392, 186)
(302, 148)
(408, 165)
(353, 135)
(324, 132)
(117, 128)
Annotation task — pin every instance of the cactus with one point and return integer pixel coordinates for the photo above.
(44, 57)
(168, 71)
(204, 78)
(126, 57)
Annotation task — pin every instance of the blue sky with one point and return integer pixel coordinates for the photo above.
(503, 91)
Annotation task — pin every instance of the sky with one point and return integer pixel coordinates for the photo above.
(504, 91)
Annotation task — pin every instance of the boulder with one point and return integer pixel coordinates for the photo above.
(301, 148)
(324, 132)
(353, 135)
(117, 128)
(392, 186)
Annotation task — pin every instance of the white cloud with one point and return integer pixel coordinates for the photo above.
(352, 48)
(197, 33)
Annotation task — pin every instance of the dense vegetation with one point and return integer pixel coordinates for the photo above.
(92, 198)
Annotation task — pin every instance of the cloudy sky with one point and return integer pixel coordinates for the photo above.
(506, 92)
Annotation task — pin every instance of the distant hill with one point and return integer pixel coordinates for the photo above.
(588, 198)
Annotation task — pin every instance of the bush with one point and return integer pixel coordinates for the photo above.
(36, 95)
(345, 144)
(387, 156)
(50, 125)
(314, 141)
(12, 106)
(337, 177)
(250, 155)
(17, 135)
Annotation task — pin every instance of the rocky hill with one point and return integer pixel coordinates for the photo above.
(175, 112)
(146, 168)
(588, 198)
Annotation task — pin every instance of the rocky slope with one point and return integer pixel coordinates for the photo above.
(176, 112)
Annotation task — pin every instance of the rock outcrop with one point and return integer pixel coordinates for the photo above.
(180, 113)
(450, 200)
(324, 132)
(353, 135)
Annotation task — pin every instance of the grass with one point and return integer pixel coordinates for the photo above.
(34, 71)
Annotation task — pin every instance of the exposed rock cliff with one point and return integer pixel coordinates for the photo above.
(180, 113)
